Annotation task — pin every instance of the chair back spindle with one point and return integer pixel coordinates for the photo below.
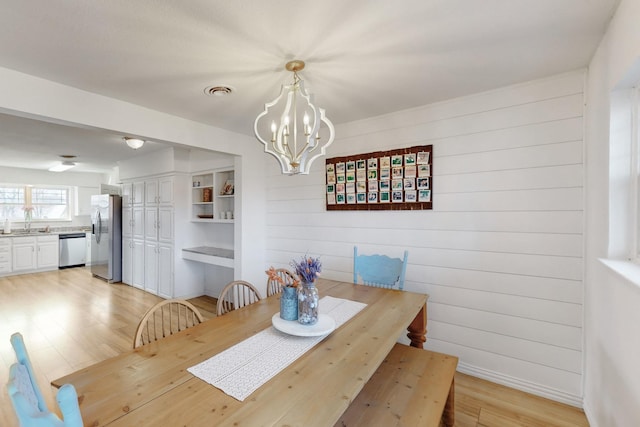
(235, 295)
(166, 318)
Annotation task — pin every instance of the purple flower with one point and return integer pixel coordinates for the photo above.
(308, 268)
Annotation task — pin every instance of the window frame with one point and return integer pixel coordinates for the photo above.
(27, 190)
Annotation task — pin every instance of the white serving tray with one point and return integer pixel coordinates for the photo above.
(325, 325)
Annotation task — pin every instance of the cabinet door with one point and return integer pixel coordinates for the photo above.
(165, 190)
(127, 194)
(165, 225)
(151, 267)
(137, 264)
(151, 193)
(24, 257)
(137, 218)
(127, 254)
(151, 223)
(165, 271)
(137, 193)
(127, 222)
(48, 253)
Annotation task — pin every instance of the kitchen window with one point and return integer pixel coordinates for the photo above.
(49, 203)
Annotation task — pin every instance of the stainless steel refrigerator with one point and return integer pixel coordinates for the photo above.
(106, 237)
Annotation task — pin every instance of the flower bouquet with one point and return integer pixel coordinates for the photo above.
(308, 269)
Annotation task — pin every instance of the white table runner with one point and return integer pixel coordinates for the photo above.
(243, 368)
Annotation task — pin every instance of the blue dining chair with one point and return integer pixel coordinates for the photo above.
(27, 399)
(379, 270)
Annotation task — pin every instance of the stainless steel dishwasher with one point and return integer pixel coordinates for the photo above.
(73, 249)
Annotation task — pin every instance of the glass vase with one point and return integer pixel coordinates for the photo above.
(289, 303)
(307, 303)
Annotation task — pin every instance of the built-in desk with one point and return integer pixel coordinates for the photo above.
(210, 255)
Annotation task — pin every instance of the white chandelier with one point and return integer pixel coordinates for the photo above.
(297, 133)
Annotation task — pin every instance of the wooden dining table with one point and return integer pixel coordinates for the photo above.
(150, 386)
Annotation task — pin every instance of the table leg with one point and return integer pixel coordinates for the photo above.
(418, 328)
(448, 416)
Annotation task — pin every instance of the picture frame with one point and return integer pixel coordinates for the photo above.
(340, 168)
(410, 159)
(422, 183)
(424, 196)
(361, 164)
(385, 162)
(424, 170)
(422, 157)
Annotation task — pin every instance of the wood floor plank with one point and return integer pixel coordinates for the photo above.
(70, 320)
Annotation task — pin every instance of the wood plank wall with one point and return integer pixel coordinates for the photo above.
(501, 253)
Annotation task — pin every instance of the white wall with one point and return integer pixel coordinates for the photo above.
(612, 301)
(501, 252)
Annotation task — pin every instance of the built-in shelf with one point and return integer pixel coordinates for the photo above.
(212, 196)
(210, 255)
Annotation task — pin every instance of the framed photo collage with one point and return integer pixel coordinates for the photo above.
(399, 179)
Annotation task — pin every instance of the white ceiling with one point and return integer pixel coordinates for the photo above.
(364, 57)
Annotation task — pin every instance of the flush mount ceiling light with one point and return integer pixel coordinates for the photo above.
(134, 143)
(291, 130)
(63, 166)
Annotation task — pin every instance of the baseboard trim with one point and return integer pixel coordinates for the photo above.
(519, 384)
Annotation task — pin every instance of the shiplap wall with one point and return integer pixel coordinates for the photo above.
(500, 254)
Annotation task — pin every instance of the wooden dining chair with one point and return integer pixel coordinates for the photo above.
(379, 270)
(27, 399)
(237, 294)
(274, 286)
(166, 318)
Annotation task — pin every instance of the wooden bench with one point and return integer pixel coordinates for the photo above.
(412, 387)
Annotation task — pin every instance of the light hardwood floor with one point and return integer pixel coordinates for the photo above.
(71, 320)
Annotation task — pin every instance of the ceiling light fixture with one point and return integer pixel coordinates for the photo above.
(292, 132)
(63, 166)
(134, 143)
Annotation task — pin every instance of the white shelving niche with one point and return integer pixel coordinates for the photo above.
(209, 200)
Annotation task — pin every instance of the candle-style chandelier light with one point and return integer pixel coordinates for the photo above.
(294, 131)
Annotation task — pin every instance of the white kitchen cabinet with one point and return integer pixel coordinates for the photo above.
(147, 259)
(24, 254)
(133, 194)
(158, 269)
(5, 256)
(158, 224)
(133, 262)
(159, 191)
(48, 252)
